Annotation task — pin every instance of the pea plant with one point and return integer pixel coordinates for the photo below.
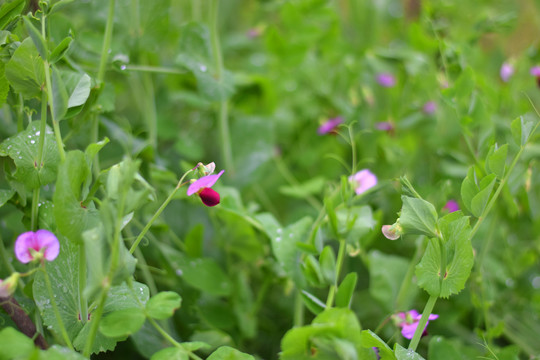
(304, 179)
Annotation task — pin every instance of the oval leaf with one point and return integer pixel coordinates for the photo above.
(122, 322)
(163, 305)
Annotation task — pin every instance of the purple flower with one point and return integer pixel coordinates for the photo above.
(451, 206)
(386, 79)
(363, 181)
(35, 245)
(202, 187)
(385, 126)
(430, 107)
(408, 322)
(506, 71)
(535, 71)
(330, 125)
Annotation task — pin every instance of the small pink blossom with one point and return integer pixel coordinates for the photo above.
(408, 322)
(385, 126)
(507, 70)
(30, 244)
(430, 107)
(386, 79)
(535, 71)
(330, 125)
(451, 206)
(202, 187)
(362, 181)
(8, 286)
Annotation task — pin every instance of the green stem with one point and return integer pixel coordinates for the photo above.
(157, 213)
(298, 310)
(35, 207)
(20, 113)
(148, 279)
(83, 303)
(223, 112)
(154, 69)
(42, 130)
(423, 321)
(339, 265)
(63, 331)
(353, 148)
(95, 320)
(406, 284)
(107, 39)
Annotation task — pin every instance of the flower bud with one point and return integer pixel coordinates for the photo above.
(8, 286)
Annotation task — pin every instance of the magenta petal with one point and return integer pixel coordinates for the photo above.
(386, 79)
(535, 71)
(408, 330)
(22, 244)
(204, 182)
(363, 181)
(48, 241)
(329, 125)
(209, 197)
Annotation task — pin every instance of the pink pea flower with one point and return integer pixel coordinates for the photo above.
(535, 71)
(430, 107)
(386, 80)
(507, 70)
(203, 188)
(36, 245)
(362, 181)
(330, 125)
(408, 322)
(385, 126)
(392, 232)
(451, 206)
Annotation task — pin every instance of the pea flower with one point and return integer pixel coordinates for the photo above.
(8, 286)
(386, 80)
(387, 126)
(31, 246)
(451, 206)
(362, 181)
(330, 125)
(408, 322)
(203, 188)
(392, 232)
(507, 70)
(430, 107)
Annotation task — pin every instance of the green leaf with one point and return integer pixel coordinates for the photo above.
(228, 353)
(60, 50)
(522, 128)
(406, 354)
(163, 305)
(122, 323)
(370, 340)
(327, 261)
(58, 5)
(5, 196)
(23, 148)
(25, 71)
(194, 241)
(315, 305)
(36, 37)
(480, 200)
(171, 353)
(64, 276)
(418, 217)
(496, 160)
(469, 188)
(441, 349)
(300, 191)
(72, 218)
(14, 344)
(345, 290)
(4, 85)
(78, 87)
(206, 275)
(57, 352)
(10, 10)
(331, 213)
(355, 222)
(312, 271)
(455, 230)
(59, 95)
(388, 272)
(195, 55)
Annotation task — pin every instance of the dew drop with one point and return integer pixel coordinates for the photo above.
(509, 282)
(37, 133)
(536, 282)
(179, 272)
(278, 239)
(279, 231)
(123, 67)
(32, 141)
(203, 68)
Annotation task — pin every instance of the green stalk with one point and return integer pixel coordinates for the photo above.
(154, 69)
(35, 207)
(339, 265)
(406, 284)
(423, 321)
(223, 112)
(157, 213)
(63, 331)
(83, 303)
(298, 310)
(107, 39)
(96, 317)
